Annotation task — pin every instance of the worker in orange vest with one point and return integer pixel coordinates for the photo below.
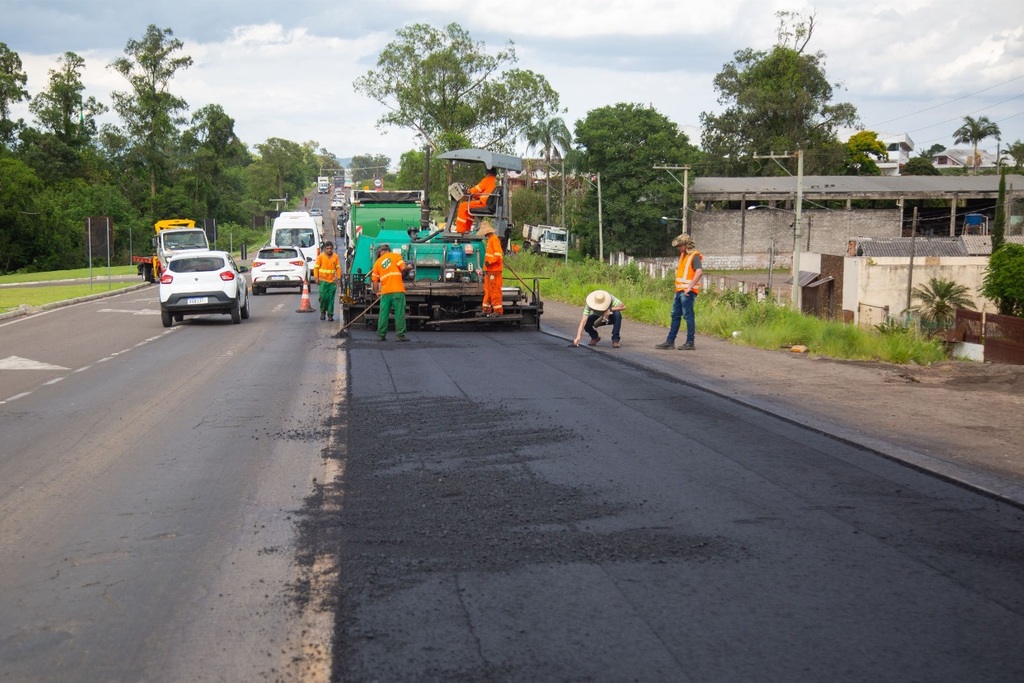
(476, 198)
(326, 271)
(689, 271)
(494, 263)
(387, 273)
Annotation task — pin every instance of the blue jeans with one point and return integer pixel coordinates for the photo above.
(615, 318)
(682, 309)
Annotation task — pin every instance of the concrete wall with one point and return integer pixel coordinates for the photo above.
(743, 239)
(870, 284)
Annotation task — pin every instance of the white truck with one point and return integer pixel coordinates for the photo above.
(323, 184)
(545, 239)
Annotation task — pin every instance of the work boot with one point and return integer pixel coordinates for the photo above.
(615, 345)
(382, 338)
(664, 345)
(685, 347)
(330, 316)
(402, 337)
(322, 315)
(593, 341)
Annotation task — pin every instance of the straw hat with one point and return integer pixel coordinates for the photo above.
(683, 239)
(485, 229)
(599, 300)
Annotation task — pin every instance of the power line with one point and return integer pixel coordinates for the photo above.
(943, 104)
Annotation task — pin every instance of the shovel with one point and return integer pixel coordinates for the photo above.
(343, 332)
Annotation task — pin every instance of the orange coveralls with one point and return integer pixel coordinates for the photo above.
(494, 263)
(476, 199)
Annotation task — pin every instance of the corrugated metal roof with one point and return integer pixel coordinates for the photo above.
(837, 187)
(981, 245)
(901, 247)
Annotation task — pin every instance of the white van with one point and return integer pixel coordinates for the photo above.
(297, 229)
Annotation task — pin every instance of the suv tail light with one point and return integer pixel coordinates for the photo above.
(166, 279)
(227, 275)
(296, 263)
(257, 264)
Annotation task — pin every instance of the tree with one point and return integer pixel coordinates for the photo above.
(62, 110)
(940, 299)
(283, 169)
(1016, 150)
(1004, 279)
(12, 91)
(974, 131)
(446, 87)
(150, 113)
(864, 151)
(777, 100)
(552, 138)
(919, 166)
(19, 214)
(366, 167)
(932, 151)
(212, 148)
(624, 143)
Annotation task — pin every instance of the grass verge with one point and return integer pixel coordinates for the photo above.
(760, 324)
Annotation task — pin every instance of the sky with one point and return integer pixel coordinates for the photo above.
(286, 69)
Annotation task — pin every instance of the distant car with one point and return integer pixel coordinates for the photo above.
(200, 282)
(316, 212)
(279, 267)
(337, 203)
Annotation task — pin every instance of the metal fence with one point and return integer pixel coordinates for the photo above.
(1001, 335)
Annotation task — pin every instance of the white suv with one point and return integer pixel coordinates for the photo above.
(199, 282)
(279, 267)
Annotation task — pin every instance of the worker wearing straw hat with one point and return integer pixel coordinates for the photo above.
(602, 308)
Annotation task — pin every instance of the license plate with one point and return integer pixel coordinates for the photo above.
(278, 277)
(194, 300)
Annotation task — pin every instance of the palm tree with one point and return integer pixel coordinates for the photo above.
(552, 138)
(940, 299)
(974, 131)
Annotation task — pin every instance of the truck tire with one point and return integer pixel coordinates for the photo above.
(166, 318)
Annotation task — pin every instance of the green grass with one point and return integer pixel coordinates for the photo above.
(760, 324)
(97, 274)
(13, 297)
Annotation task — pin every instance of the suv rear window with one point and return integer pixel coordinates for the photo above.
(281, 253)
(199, 264)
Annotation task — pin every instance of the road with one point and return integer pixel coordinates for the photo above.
(148, 484)
(221, 502)
(516, 509)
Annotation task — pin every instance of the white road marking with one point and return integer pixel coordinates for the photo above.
(141, 311)
(53, 381)
(19, 363)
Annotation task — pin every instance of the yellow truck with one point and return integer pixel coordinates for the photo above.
(173, 235)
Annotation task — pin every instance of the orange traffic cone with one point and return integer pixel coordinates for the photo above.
(305, 307)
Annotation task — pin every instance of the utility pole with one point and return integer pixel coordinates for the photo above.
(600, 223)
(910, 271)
(797, 233)
(686, 189)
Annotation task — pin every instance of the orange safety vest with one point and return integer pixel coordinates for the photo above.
(327, 268)
(685, 272)
(388, 271)
(494, 256)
